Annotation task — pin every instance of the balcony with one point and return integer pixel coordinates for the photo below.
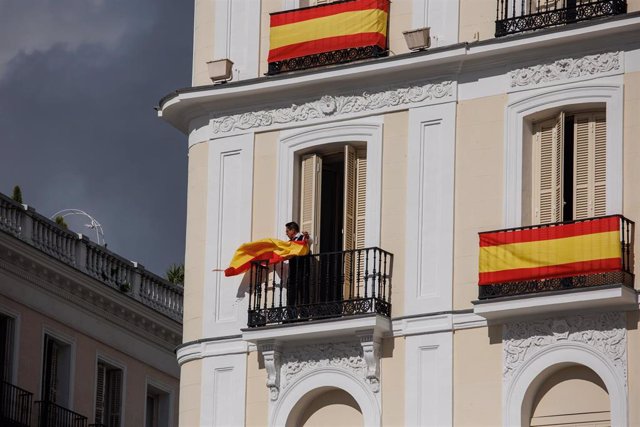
(326, 34)
(15, 406)
(555, 267)
(52, 415)
(321, 286)
(517, 16)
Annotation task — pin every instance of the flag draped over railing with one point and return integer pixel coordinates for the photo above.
(562, 250)
(327, 28)
(271, 250)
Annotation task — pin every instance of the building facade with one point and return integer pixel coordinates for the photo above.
(470, 202)
(87, 337)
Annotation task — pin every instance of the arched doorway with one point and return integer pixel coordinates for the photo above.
(326, 406)
(573, 395)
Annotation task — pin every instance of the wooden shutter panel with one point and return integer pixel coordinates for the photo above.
(361, 198)
(310, 185)
(100, 385)
(50, 382)
(114, 377)
(547, 170)
(349, 205)
(590, 154)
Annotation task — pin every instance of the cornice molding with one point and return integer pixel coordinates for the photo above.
(95, 297)
(566, 69)
(331, 107)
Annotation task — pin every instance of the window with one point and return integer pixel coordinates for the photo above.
(56, 371)
(108, 408)
(333, 197)
(308, 3)
(7, 337)
(157, 412)
(568, 153)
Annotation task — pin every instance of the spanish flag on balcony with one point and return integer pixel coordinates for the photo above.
(562, 250)
(335, 26)
(271, 250)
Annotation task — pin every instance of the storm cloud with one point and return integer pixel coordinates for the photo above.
(78, 82)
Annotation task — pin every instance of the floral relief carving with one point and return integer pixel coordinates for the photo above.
(604, 332)
(566, 69)
(330, 106)
(299, 360)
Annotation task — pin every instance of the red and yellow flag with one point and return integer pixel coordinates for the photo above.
(335, 26)
(562, 250)
(271, 250)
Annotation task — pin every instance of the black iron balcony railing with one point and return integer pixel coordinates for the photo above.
(320, 286)
(605, 247)
(52, 415)
(15, 406)
(516, 16)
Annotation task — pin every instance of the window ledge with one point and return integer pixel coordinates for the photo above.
(611, 298)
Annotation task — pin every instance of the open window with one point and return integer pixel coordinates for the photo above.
(333, 198)
(568, 167)
(7, 347)
(56, 371)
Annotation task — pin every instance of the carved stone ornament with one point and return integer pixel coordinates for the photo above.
(566, 69)
(605, 333)
(330, 106)
(272, 356)
(360, 359)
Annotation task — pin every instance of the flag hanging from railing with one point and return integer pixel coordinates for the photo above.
(271, 250)
(562, 250)
(335, 26)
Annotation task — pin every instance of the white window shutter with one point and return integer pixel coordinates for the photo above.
(100, 383)
(590, 165)
(115, 397)
(310, 185)
(349, 205)
(361, 198)
(547, 170)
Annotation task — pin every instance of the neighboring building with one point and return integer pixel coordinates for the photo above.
(86, 336)
(517, 120)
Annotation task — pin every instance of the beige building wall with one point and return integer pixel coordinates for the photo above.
(190, 390)
(479, 187)
(265, 151)
(195, 241)
(631, 196)
(477, 20)
(29, 345)
(394, 187)
(477, 377)
(257, 407)
(400, 19)
(392, 372)
(203, 38)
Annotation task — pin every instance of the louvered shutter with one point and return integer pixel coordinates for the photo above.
(100, 395)
(547, 170)
(310, 185)
(361, 199)
(114, 389)
(590, 165)
(50, 382)
(348, 218)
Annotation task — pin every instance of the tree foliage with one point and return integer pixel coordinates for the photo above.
(17, 194)
(175, 274)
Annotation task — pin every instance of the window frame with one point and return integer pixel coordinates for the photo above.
(117, 364)
(522, 106)
(71, 343)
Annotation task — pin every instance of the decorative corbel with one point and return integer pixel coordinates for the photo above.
(371, 354)
(271, 356)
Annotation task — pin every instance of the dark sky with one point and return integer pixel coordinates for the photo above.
(78, 83)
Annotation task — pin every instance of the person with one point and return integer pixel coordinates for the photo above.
(295, 284)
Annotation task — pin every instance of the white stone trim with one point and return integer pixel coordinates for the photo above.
(429, 381)
(430, 207)
(545, 346)
(566, 69)
(368, 130)
(325, 379)
(229, 213)
(523, 104)
(201, 350)
(223, 392)
(328, 108)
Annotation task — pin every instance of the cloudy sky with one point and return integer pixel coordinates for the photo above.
(78, 83)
